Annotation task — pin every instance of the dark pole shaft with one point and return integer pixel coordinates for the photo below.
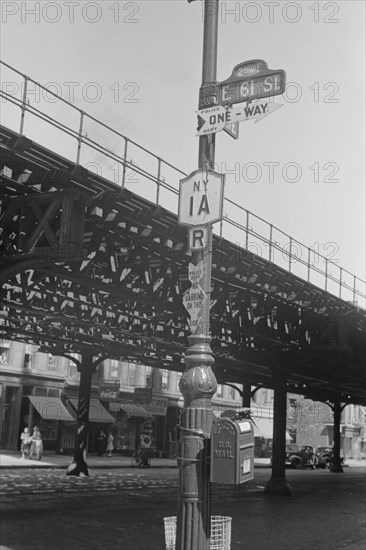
(198, 383)
(278, 485)
(79, 466)
(206, 156)
(336, 464)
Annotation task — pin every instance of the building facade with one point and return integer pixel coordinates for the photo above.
(139, 405)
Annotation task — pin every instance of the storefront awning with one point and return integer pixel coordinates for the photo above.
(133, 409)
(50, 408)
(97, 413)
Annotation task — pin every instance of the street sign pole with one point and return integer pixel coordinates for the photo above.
(198, 383)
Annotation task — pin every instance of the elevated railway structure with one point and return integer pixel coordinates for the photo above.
(90, 266)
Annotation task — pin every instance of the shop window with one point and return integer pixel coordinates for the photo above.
(164, 379)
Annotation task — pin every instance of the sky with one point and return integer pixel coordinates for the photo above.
(137, 66)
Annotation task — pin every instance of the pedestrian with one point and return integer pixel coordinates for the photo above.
(102, 438)
(26, 440)
(110, 445)
(37, 444)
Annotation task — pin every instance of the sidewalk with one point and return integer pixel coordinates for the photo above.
(13, 460)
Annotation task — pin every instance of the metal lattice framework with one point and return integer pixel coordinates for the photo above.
(87, 264)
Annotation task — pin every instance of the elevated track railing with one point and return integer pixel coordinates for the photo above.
(51, 120)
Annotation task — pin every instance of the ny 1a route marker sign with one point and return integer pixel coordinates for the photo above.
(216, 118)
(200, 198)
(251, 80)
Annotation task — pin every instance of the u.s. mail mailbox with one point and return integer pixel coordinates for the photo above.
(232, 451)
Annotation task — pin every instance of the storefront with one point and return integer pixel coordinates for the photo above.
(140, 419)
(48, 413)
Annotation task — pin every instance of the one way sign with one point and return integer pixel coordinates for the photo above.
(215, 118)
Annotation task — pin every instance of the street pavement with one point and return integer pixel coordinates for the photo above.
(120, 507)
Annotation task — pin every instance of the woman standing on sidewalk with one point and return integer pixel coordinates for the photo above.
(37, 444)
(110, 445)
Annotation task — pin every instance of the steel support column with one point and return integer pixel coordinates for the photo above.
(336, 464)
(246, 395)
(278, 485)
(79, 467)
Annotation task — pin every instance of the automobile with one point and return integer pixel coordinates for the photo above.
(324, 456)
(303, 455)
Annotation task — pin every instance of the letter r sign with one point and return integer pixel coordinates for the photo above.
(197, 237)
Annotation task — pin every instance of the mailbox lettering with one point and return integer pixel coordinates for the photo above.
(223, 453)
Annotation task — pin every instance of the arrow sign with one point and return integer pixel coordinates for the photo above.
(215, 118)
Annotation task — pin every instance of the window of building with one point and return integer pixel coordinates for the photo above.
(149, 376)
(4, 352)
(73, 369)
(51, 364)
(28, 356)
(292, 433)
(164, 379)
(232, 393)
(132, 373)
(40, 391)
(115, 370)
(47, 392)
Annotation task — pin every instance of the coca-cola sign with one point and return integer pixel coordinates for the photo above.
(109, 392)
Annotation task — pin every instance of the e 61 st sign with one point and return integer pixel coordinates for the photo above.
(251, 80)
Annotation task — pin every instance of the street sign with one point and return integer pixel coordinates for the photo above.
(200, 198)
(195, 272)
(193, 300)
(198, 237)
(251, 80)
(216, 118)
(232, 128)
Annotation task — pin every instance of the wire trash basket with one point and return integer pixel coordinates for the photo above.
(220, 532)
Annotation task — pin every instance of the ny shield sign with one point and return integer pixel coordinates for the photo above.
(200, 198)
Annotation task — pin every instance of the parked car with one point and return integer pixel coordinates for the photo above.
(303, 455)
(324, 456)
